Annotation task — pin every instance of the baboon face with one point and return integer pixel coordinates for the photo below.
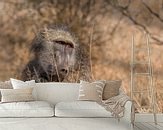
(56, 56)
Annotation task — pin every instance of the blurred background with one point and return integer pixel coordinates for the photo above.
(106, 26)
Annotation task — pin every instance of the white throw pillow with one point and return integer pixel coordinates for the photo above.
(16, 95)
(18, 84)
(26, 109)
(80, 109)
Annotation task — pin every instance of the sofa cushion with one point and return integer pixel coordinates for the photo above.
(111, 88)
(91, 91)
(16, 95)
(18, 84)
(5, 85)
(26, 109)
(80, 109)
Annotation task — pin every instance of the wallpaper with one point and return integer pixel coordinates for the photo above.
(69, 40)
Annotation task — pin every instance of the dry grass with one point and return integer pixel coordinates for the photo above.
(109, 39)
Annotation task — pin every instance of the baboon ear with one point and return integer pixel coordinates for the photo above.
(36, 46)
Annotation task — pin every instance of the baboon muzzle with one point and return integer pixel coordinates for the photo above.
(57, 73)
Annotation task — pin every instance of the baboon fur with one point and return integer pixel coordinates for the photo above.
(42, 49)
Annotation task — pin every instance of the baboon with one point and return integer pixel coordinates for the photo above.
(58, 57)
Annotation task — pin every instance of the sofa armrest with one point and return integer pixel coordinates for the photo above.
(126, 120)
(128, 109)
(128, 112)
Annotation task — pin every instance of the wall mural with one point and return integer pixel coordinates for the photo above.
(91, 41)
(57, 57)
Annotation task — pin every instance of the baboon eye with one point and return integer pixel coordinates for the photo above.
(65, 43)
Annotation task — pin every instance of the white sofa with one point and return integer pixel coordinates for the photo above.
(63, 98)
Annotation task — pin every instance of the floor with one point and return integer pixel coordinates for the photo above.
(142, 122)
(146, 122)
(148, 126)
(63, 124)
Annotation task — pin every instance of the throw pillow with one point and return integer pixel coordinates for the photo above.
(18, 84)
(17, 95)
(5, 85)
(111, 88)
(91, 91)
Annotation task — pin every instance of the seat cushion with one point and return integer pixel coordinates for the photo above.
(80, 109)
(26, 109)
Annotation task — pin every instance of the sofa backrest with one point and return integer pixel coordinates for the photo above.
(55, 92)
